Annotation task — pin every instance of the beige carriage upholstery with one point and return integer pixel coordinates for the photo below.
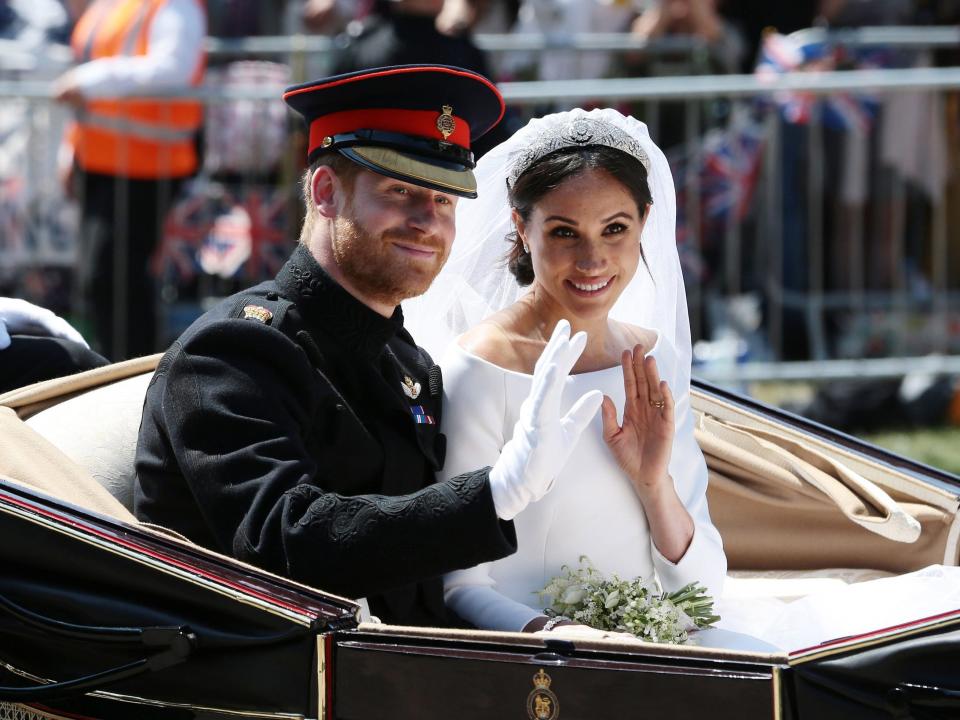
(105, 444)
(28, 458)
(75, 437)
(783, 501)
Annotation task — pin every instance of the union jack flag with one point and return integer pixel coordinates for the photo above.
(270, 236)
(725, 167)
(240, 234)
(184, 228)
(781, 54)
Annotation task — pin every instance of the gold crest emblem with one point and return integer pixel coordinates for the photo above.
(445, 122)
(258, 313)
(410, 388)
(542, 704)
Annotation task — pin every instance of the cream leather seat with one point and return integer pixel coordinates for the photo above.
(98, 430)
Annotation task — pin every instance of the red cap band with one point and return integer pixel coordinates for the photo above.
(419, 123)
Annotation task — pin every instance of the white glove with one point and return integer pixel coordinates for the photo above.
(585, 632)
(542, 440)
(20, 317)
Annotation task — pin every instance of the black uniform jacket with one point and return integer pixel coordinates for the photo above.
(298, 430)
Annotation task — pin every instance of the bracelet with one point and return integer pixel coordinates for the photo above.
(552, 623)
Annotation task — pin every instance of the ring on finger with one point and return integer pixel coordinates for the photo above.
(658, 403)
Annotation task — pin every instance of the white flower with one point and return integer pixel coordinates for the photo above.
(573, 595)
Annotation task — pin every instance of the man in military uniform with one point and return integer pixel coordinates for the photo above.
(296, 425)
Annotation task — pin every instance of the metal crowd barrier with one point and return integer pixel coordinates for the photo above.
(495, 43)
(920, 37)
(747, 261)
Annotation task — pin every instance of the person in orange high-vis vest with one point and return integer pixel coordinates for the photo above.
(128, 155)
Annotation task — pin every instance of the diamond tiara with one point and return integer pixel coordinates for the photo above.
(582, 132)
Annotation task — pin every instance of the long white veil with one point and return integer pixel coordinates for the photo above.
(476, 283)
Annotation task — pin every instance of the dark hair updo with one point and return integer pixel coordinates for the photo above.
(550, 171)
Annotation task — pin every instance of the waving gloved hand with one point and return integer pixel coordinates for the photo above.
(20, 317)
(542, 439)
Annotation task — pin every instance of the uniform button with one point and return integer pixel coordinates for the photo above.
(272, 295)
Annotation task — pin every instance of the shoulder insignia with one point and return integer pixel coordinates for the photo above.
(258, 313)
(410, 388)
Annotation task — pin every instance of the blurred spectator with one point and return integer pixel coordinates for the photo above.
(698, 19)
(562, 18)
(496, 17)
(456, 17)
(862, 13)
(451, 17)
(248, 136)
(937, 12)
(245, 18)
(757, 16)
(401, 32)
(716, 47)
(36, 344)
(493, 16)
(885, 169)
(127, 157)
(913, 169)
(329, 17)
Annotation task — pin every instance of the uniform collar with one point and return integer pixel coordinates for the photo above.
(325, 303)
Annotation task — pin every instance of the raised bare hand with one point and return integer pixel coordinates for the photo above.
(643, 443)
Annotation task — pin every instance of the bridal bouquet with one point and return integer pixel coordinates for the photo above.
(634, 606)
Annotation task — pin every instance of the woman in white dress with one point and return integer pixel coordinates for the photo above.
(632, 495)
(590, 201)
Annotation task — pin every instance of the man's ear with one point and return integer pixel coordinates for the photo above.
(325, 190)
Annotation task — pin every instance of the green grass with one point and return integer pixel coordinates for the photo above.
(938, 447)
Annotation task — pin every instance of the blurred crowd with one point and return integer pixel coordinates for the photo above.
(224, 214)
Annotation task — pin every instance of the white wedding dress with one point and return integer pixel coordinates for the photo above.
(839, 604)
(592, 509)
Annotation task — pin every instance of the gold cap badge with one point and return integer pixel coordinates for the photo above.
(258, 313)
(446, 123)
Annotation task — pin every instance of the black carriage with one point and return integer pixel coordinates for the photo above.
(101, 617)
